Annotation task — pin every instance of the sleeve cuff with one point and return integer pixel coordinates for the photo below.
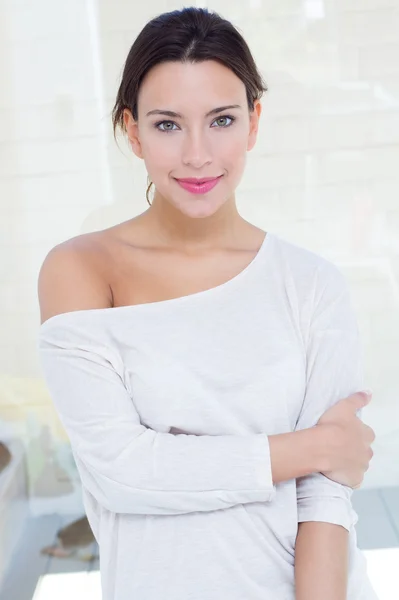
(263, 466)
(337, 511)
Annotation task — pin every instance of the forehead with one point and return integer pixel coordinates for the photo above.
(205, 83)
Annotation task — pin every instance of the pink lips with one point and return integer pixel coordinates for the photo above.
(199, 186)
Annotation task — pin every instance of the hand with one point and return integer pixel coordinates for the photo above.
(347, 441)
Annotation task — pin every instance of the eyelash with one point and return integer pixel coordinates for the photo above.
(156, 125)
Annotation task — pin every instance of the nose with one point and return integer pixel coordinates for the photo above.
(196, 151)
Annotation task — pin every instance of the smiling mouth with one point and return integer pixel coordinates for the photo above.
(195, 181)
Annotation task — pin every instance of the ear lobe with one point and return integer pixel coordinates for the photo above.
(136, 146)
(252, 137)
(132, 133)
(254, 124)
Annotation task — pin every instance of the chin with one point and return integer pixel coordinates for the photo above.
(200, 208)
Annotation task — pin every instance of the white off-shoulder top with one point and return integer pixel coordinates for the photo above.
(168, 407)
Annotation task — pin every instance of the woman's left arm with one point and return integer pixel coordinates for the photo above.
(321, 561)
(334, 371)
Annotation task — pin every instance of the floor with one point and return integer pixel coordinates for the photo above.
(47, 578)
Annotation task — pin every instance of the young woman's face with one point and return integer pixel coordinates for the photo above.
(193, 142)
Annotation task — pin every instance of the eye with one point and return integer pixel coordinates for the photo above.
(162, 123)
(232, 119)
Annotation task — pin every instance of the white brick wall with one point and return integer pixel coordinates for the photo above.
(379, 60)
(364, 5)
(365, 28)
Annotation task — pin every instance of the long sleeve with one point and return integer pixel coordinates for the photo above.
(127, 467)
(334, 371)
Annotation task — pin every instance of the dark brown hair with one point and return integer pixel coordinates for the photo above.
(188, 35)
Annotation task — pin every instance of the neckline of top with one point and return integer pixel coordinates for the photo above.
(170, 301)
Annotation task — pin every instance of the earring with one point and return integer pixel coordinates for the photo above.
(149, 184)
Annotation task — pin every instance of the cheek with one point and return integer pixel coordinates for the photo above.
(232, 142)
(160, 153)
(233, 153)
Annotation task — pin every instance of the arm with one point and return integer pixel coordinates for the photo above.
(126, 466)
(334, 371)
(321, 562)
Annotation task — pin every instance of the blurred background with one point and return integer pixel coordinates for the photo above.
(324, 174)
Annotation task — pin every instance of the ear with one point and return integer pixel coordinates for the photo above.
(132, 130)
(254, 124)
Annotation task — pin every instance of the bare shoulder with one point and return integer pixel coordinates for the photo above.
(72, 277)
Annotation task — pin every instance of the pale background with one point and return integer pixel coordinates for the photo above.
(324, 174)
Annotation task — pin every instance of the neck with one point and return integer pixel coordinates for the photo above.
(174, 228)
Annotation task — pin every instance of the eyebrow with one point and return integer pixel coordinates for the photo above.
(171, 113)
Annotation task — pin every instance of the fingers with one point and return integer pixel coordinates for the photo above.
(360, 399)
(370, 433)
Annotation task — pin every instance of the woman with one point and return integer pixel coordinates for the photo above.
(208, 373)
